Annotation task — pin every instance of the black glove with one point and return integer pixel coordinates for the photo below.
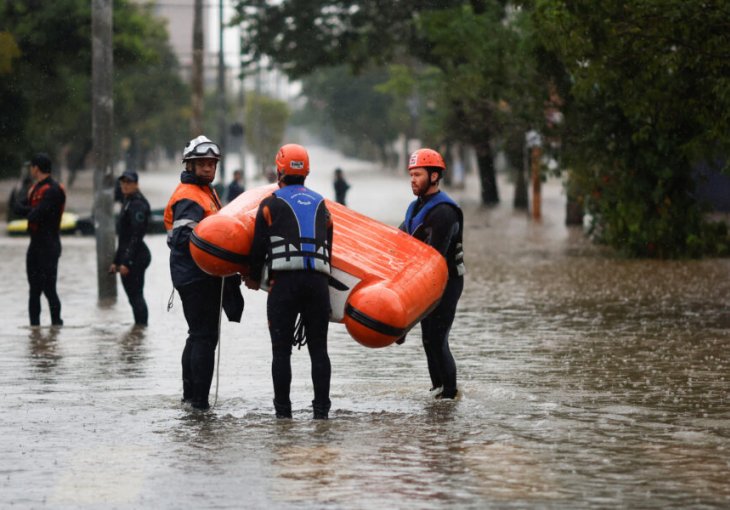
(232, 298)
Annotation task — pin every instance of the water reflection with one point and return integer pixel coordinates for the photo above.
(132, 349)
(44, 350)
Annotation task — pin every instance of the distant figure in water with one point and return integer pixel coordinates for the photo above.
(341, 186)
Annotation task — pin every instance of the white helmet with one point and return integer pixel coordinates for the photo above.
(201, 147)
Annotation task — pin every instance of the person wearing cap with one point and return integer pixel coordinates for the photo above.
(43, 207)
(202, 295)
(434, 218)
(133, 257)
(291, 255)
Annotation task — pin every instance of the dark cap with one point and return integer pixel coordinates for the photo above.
(129, 176)
(42, 161)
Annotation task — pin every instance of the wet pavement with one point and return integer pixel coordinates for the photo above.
(587, 381)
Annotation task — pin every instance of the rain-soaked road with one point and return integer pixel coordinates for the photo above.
(587, 381)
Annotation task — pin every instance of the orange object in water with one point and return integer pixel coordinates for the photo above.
(383, 280)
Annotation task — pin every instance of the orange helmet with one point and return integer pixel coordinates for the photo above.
(292, 159)
(426, 158)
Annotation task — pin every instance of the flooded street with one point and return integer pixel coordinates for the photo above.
(586, 380)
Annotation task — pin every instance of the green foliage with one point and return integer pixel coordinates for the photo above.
(458, 69)
(347, 109)
(266, 119)
(648, 99)
(9, 51)
(304, 35)
(46, 94)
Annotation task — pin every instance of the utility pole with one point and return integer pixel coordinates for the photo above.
(196, 120)
(221, 96)
(102, 120)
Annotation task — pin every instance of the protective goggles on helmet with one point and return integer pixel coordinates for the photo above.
(205, 149)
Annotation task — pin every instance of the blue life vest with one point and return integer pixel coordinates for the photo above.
(300, 242)
(413, 223)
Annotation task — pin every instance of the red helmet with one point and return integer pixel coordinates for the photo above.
(426, 158)
(292, 159)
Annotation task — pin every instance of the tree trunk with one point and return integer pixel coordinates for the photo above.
(574, 207)
(487, 173)
(521, 195)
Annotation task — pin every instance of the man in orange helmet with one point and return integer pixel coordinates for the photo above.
(291, 254)
(437, 220)
(201, 293)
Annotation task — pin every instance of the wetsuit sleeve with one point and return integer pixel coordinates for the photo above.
(138, 215)
(260, 243)
(186, 214)
(440, 226)
(49, 207)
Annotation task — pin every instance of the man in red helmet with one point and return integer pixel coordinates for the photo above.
(291, 255)
(437, 220)
(201, 293)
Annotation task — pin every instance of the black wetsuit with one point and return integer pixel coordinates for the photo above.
(133, 252)
(45, 205)
(441, 228)
(299, 286)
(200, 292)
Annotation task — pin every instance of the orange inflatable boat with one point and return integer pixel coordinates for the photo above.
(383, 281)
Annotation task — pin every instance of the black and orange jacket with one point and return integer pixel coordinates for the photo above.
(44, 208)
(189, 204)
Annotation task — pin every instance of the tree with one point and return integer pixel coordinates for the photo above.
(152, 103)
(351, 106)
(466, 40)
(266, 119)
(648, 98)
(46, 92)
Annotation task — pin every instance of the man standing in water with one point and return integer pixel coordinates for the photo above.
(437, 220)
(341, 186)
(291, 253)
(201, 294)
(43, 208)
(133, 257)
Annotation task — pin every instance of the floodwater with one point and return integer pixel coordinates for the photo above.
(587, 381)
